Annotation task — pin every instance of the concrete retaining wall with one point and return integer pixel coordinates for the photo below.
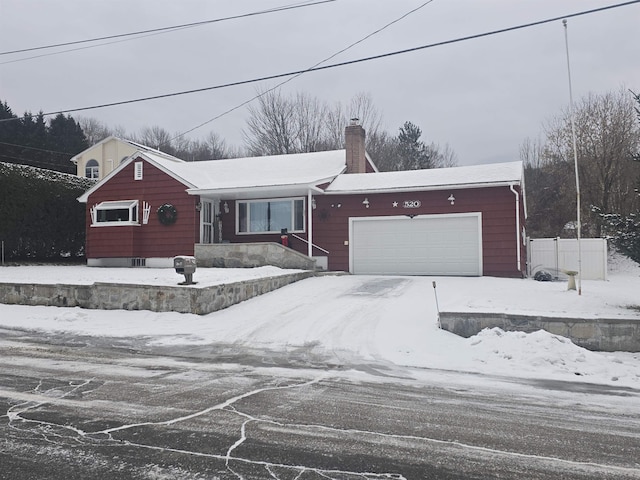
(606, 335)
(111, 296)
(240, 255)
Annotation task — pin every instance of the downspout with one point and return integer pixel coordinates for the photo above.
(517, 224)
(310, 224)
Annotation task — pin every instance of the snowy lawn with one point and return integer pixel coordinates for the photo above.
(356, 318)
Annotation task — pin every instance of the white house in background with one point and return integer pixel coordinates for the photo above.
(101, 159)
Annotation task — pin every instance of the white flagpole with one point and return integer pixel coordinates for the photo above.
(575, 159)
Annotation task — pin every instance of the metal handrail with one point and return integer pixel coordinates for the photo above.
(307, 242)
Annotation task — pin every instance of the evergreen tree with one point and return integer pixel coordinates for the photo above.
(66, 136)
(407, 151)
(8, 133)
(414, 154)
(28, 140)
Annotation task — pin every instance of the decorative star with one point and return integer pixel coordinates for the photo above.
(395, 204)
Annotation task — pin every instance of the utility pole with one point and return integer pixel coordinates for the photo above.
(575, 160)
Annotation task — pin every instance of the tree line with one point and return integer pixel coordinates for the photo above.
(607, 133)
(276, 124)
(31, 140)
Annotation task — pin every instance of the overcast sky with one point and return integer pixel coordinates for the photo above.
(483, 97)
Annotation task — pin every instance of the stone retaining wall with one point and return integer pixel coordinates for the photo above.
(241, 255)
(112, 296)
(602, 334)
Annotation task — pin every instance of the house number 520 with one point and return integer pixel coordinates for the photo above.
(412, 203)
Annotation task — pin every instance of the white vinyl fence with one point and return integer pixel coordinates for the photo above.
(556, 255)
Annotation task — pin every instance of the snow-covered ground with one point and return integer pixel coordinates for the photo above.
(355, 318)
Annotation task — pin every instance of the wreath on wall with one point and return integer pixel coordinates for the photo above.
(167, 214)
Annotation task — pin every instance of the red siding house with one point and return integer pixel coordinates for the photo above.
(335, 206)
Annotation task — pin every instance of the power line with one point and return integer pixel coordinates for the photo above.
(341, 64)
(38, 149)
(297, 75)
(307, 3)
(37, 162)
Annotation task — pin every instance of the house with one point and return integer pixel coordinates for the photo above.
(98, 161)
(333, 206)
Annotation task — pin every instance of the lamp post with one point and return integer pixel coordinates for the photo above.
(575, 160)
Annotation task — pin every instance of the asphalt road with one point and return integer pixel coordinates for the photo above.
(83, 407)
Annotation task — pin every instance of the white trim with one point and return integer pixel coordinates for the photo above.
(518, 260)
(208, 204)
(478, 215)
(131, 205)
(310, 224)
(262, 191)
(146, 210)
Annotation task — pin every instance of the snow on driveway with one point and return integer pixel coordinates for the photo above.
(374, 318)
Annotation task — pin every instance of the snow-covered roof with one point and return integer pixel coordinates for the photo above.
(291, 174)
(254, 172)
(430, 179)
(295, 174)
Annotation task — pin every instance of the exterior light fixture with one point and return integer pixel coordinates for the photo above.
(452, 199)
(365, 202)
(313, 203)
(225, 207)
(198, 206)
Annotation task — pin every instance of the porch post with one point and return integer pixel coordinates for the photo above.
(309, 224)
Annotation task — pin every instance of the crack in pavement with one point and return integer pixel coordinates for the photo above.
(54, 433)
(15, 415)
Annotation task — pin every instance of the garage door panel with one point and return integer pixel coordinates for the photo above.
(427, 245)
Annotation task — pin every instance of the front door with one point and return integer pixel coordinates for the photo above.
(208, 222)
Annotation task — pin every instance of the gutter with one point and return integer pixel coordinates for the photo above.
(517, 226)
(418, 188)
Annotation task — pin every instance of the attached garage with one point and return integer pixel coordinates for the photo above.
(447, 244)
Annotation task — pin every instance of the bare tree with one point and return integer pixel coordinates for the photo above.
(94, 130)
(361, 106)
(218, 147)
(271, 128)
(607, 138)
(383, 150)
(281, 125)
(156, 137)
(212, 147)
(309, 116)
(442, 157)
(550, 193)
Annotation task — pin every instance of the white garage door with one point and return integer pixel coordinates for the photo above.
(423, 245)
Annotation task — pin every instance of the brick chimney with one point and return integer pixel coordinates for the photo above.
(354, 136)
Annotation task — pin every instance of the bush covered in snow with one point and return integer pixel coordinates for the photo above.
(624, 232)
(40, 218)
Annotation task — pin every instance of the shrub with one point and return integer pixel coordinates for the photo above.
(40, 217)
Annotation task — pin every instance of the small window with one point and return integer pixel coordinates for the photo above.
(271, 216)
(92, 169)
(137, 171)
(117, 213)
